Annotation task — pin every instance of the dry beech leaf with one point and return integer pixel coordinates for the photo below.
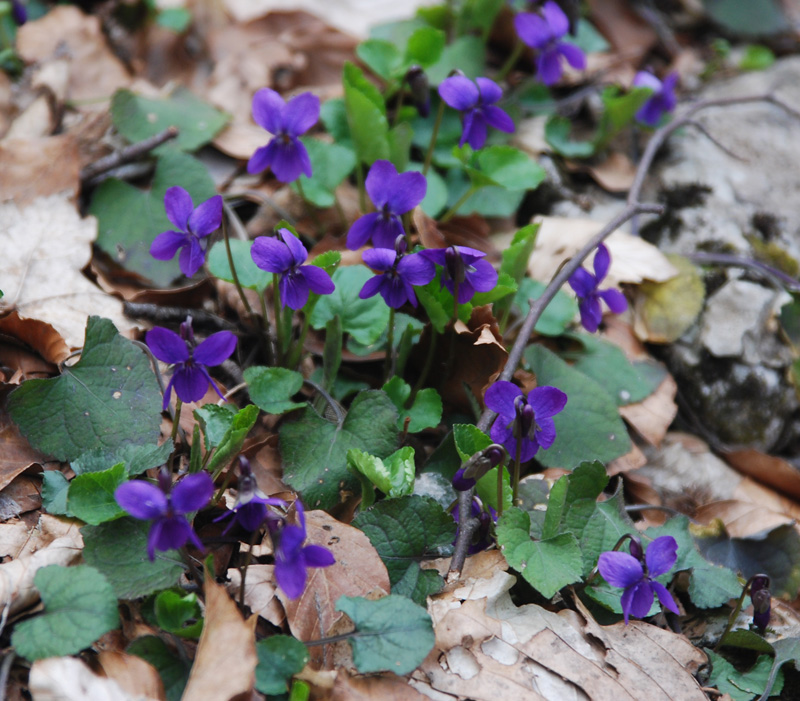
(630, 36)
(632, 460)
(21, 496)
(35, 123)
(45, 247)
(358, 571)
(69, 679)
(741, 519)
(95, 72)
(27, 172)
(17, 454)
(260, 592)
(225, 664)
(772, 471)
(386, 687)
(134, 676)
(653, 416)
(37, 335)
(756, 493)
(614, 174)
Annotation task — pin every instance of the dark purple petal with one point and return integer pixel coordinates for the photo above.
(532, 29)
(529, 449)
(583, 282)
(643, 79)
(500, 398)
(294, 290)
(665, 597)
(434, 255)
(166, 245)
(379, 182)
(167, 393)
(372, 286)
(166, 345)
(361, 231)
(192, 257)
(190, 383)
(268, 109)
(601, 263)
(386, 231)
(497, 118)
(260, 160)
(317, 279)
(207, 218)
(575, 57)
(301, 113)
(546, 433)
(304, 158)
(296, 248)
(211, 382)
(408, 190)
(141, 500)
(152, 538)
(615, 300)
(192, 493)
(416, 269)
(466, 291)
(548, 66)
(287, 160)
(381, 258)
(291, 576)
(179, 206)
(459, 92)
(215, 349)
(650, 112)
(490, 91)
(393, 292)
(19, 11)
(502, 433)
(461, 483)
(547, 401)
(317, 556)
(556, 19)
(591, 314)
(171, 533)
(661, 555)
(250, 516)
(484, 277)
(271, 254)
(474, 130)
(409, 288)
(641, 599)
(620, 569)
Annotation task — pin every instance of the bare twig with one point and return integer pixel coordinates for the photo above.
(127, 154)
(777, 276)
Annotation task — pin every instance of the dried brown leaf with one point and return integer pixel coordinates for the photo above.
(36, 335)
(741, 519)
(772, 471)
(70, 679)
(653, 416)
(28, 171)
(260, 592)
(614, 174)
(387, 687)
(134, 676)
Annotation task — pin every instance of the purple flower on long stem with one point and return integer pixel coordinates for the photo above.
(292, 559)
(661, 102)
(635, 575)
(284, 255)
(527, 421)
(586, 287)
(285, 154)
(190, 376)
(475, 101)
(398, 275)
(193, 225)
(544, 32)
(167, 508)
(250, 509)
(393, 194)
(463, 270)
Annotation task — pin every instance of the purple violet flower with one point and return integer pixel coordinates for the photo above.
(393, 194)
(285, 154)
(292, 559)
(761, 598)
(19, 12)
(476, 103)
(190, 375)
(527, 419)
(284, 255)
(477, 466)
(585, 285)
(543, 32)
(250, 509)
(193, 225)
(398, 275)
(635, 575)
(661, 102)
(167, 508)
(463, 268)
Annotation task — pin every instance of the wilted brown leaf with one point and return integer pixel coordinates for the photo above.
(40, 337)
(134, 676)
(741, 519)
(225, 663)
(28, 171)
(614, 174)
(652, 417)
(386, 687)
(17, 454)
(260, 592)
(70, 679)
(769, 470)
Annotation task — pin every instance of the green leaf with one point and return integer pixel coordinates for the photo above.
(763, 18)
(756, 58)
(400, 137)
(480, 14)
(547, 565)
(179, 613)
(249, 274)
(425, 412)
(366, 116)
(589, 427)
(557, 315)
(486, 489)
(436, 195)
(79, 607)
(215, 421)
(91, 496)
(619, 112)
(232, 441)
(424, 47)
(515, 257)
(589, 39)
(173, 670)
(392, 634)
(382, 57)
(557, 132)
(137, 118)
(110, 397)
(363, 319)
(127, 238)
(467, 53)
(469, 440)
(330, 165)
(601, 532)
(118, 549)
(137, 458)
(504, 288)
(509, 167)
(585, 482)
(709, 585)
(318, 468)
(176, 19)
(280, 657)
(333, 115)
(606, 364)
(742, 686)
(54, 493)
(272, 389)
(393, 476)
(403, 531)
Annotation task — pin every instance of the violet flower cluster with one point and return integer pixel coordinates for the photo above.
(191, 360)
(397, 274)
(193, 225)
(475, 101)
(661, 102)
(544, 33)
(586, 286)
(635, 574)
(464, 272)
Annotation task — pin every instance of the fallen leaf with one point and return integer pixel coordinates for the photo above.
(632, 460)
(17, 454)
(225, 664)
(769, 470)
(70, 679)
(614, 174)
(652, 417)
(756, 493)
(387, 687)
(36, 122)
(629, 35)
(36, 335)
(23, 157)
(260, 592)
(741, 518)
(134, 676)
(19, 497)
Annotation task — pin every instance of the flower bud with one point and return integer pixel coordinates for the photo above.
(420, 90)
(636, 549)
(762, 601)
(454, 264)
(187, 333)
(164, 480)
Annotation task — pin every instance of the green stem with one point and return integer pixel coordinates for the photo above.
(517, 470)
(362, 193)
(388, 367)
(434, 135)
(735, 612)
(267, 339)
(276, 309)
(400, 97)
(177, 420)
(297, 350)
(499, 490)
(234, 274)
(510, 62)
(425, 369)
(448, 215)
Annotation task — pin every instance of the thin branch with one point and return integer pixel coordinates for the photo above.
(777, 276)
(127, 154)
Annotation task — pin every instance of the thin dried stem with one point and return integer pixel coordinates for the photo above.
(127, 154)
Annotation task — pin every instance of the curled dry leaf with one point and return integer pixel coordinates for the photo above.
(260, 592)
(69, 679)
(225, 664)
(358, 571)
(37, 335)
(133, 675)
